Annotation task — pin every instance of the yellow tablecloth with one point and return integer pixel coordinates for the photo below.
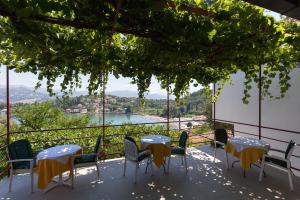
(47, 169)
(159, 151)
(246, 156)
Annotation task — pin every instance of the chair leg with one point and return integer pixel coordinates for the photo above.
(75, 172)
(262, 168)
(136, 169)
(215, 153)
(186, 169)
(72, 177)
(148, 162)
(169, 161)
(151, 165)
(98, 171)
(124, 167)
(181, 160)
(227, 163)
(10, 180)
(32, 179)
(290, 179)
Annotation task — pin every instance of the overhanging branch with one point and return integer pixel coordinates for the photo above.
(76, 24)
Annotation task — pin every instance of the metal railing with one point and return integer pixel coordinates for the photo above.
(265, 137)
(113, 137)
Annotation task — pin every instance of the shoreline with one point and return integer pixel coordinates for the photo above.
(174, 122)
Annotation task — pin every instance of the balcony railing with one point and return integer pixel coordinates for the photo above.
(265, 137)
(113, 136)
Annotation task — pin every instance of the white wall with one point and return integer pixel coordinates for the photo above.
(281, 114)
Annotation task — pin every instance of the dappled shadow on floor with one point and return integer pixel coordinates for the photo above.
(204, 180)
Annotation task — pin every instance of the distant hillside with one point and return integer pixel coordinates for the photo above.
(23, 94)
(126, 102)
(129, 93)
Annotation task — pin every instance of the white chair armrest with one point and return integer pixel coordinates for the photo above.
(277, 157)
(277, 150)
(20, 160)
(220, 143)
(145, 152)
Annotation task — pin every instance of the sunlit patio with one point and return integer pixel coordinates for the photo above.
(204, 180)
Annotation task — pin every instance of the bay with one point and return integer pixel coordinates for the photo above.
(112, 118)
(117, 118)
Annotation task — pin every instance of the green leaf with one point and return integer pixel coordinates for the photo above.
(211, 34)
(24, 12)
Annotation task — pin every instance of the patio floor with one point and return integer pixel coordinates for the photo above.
(205, 180)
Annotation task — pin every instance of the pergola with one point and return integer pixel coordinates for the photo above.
(175, 41)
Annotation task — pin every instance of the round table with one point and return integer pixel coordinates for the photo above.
(241, 143)
(60, 153)
(247, 150)
(159, 146)
(54, 161)
(155, 139)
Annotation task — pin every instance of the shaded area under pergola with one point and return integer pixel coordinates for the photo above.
(290, 8)
(204, 180)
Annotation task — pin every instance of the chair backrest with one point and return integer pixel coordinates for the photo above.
(97, 147)
(289, 150)
(20, 149)
(130, 138)
(221, 135)
(130, 149)
(183, 138)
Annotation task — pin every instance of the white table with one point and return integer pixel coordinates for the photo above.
(241, 143)
(62, 154)
(155, 139)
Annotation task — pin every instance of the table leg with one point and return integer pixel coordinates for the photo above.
(59, 182)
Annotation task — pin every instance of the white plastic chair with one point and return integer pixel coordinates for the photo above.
(281, 163)
(132, 154)
(21, 160)
(87, 160)
(220, 141)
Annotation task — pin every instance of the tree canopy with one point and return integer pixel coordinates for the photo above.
(178, 41)
(46, 115)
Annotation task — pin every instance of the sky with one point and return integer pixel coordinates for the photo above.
(30, 80)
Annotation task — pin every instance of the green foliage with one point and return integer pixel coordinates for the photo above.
(39, 116)
(45, 115)
(201, 129)
(2, 144)
(113, 141)
(145, 38)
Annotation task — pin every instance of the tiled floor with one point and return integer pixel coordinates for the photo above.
(204, 180)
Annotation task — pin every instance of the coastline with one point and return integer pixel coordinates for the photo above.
(174, 122)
